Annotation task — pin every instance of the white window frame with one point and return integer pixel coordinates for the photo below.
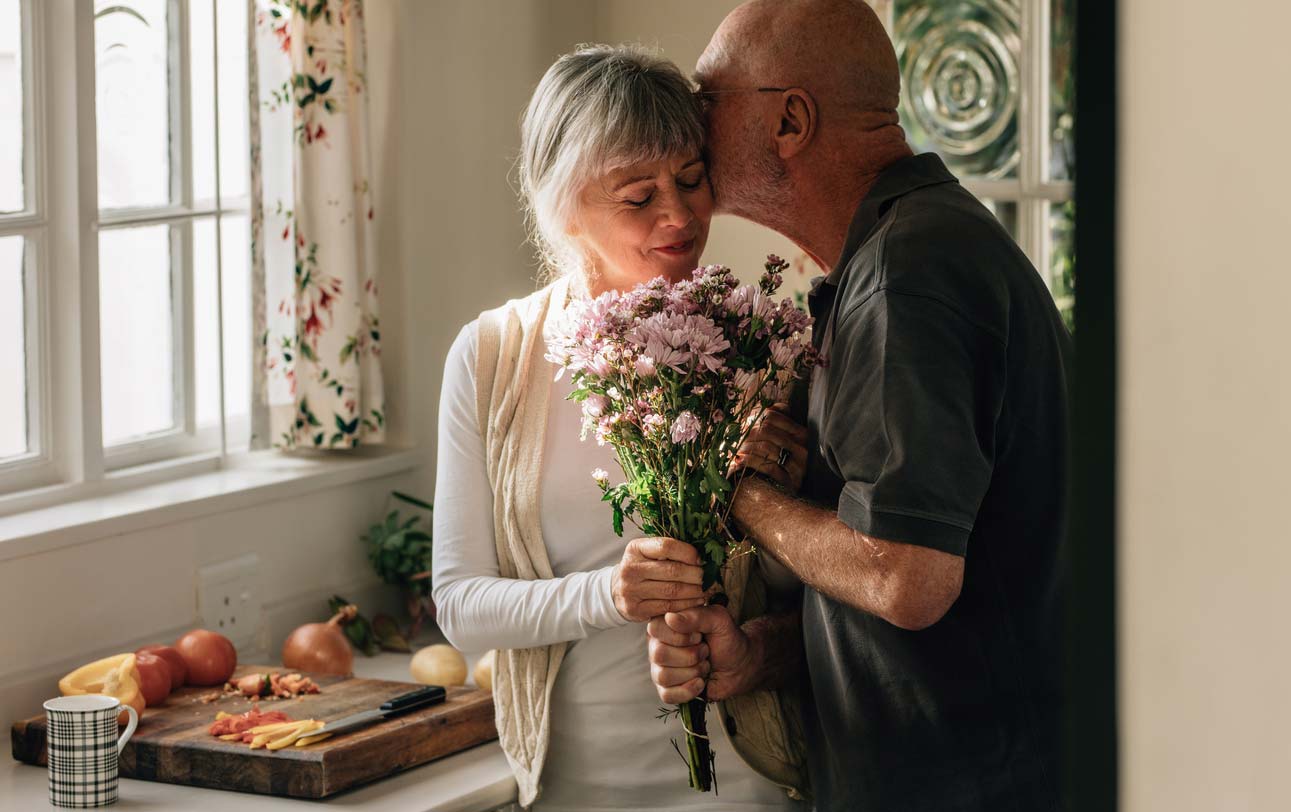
(32, 223)
(62, 222)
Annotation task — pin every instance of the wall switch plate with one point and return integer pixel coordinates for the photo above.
(228, 599)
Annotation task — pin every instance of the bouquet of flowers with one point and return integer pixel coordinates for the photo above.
(673, 377)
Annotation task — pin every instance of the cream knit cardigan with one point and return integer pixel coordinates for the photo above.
(512, 388)
(512, 391)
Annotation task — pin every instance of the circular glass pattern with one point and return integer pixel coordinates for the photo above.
(959, 82)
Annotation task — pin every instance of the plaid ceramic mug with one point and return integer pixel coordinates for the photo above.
(83, 749)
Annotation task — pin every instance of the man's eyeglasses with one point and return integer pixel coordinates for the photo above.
(706, 97)
(708, 93)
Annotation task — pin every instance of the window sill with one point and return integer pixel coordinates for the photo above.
(244, 480)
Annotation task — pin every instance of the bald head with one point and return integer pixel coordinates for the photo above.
(800, 160)
(836, 49)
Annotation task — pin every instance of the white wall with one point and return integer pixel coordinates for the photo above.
(1205, 400)
(449, 81)
(65, 607)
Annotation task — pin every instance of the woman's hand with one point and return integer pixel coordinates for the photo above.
(657, 575)
(776, 448)
(697, 648)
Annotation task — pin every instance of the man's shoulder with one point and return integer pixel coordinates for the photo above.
(939, 227)
(941, 244)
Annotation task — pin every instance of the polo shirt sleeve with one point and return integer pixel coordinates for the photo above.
(914, 395)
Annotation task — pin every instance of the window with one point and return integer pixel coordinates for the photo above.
(988, 84)
(124, 283)
(22, 236)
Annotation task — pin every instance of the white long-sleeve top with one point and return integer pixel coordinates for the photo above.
(608, 751)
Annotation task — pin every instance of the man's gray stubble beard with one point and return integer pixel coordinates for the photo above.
(757, 191)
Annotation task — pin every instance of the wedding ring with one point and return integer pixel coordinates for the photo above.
(783, 459)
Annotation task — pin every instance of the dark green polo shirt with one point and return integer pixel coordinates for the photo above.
(940, 420)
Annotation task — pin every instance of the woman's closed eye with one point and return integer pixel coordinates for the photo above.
(641, 198)
(640, 203)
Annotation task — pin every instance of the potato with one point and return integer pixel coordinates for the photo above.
(484, 671)
(439, 665)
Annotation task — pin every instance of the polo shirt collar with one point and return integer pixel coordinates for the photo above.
(897, 180)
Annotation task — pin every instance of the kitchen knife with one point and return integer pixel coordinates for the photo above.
(421, 698)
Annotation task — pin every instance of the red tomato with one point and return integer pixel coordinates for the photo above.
(154, 678)
(210, 656)
(178, 667)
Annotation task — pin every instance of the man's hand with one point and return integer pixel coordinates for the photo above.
(657, 575)
(698, 646)
(775, 438)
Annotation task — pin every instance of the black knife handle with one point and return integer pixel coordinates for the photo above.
(430, 695)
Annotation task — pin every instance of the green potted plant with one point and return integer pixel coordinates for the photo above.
(399, 548)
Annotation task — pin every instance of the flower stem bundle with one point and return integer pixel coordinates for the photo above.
(673, 377)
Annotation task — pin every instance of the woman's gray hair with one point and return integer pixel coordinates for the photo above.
(597, 109)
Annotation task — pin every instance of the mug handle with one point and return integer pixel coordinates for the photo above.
(133, 723)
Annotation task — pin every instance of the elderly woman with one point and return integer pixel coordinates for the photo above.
(613, 175)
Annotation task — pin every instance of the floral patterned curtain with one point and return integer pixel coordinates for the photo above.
(317, 380)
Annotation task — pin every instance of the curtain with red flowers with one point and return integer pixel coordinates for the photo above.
(317, 380)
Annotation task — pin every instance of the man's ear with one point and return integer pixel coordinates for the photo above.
(796, 123)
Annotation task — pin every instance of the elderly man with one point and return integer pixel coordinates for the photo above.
(934, 473)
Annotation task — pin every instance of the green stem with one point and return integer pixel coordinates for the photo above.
(698, 754)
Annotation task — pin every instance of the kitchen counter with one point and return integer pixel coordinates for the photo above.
(475, 780)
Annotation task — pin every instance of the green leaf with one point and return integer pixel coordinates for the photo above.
(618, 520)
(412, 500)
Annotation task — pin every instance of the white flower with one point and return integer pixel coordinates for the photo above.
(685, 428)
(653, 423)
(645, 366)
(601, 476)
(595, 405)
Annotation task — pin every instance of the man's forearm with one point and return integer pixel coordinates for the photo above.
(906, 585)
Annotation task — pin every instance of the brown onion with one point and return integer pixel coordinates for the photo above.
(321, 648)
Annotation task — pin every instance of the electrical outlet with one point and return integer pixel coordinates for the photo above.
(228, 598)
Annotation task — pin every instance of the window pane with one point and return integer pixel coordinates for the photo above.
(236, 241)
(13, 353)
(1062, 258)
(237, 324)
(960, 82)
(233, 120)
(1006, 211)
(136, 321)
(235, 140)
(1062, 91)
(11, 107)
(132, 66)
(201, 67)
(206, 338)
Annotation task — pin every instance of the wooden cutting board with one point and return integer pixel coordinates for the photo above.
(172, 743)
